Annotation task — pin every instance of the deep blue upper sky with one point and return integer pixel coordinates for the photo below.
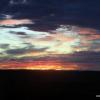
(52, 12)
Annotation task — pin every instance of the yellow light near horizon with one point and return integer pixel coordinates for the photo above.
(52, 67)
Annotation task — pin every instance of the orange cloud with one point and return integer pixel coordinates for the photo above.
(15, 21)
(92, 37)
(85, 31)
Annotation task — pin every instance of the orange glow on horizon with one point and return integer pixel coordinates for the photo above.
(38, 65)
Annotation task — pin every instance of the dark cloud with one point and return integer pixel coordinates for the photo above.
(18, 33)
(89, 66)
(64, 11)
(84, 60)
(94, 47)
(25, 50)
(4, 46)
(1, 53)
(85, 57)
(21, 33)
(77, 57)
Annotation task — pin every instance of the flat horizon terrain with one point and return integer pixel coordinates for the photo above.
(42, 83)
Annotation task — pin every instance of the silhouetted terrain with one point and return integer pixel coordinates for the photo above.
(28, 83)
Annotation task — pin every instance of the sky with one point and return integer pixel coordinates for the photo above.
(53, 39)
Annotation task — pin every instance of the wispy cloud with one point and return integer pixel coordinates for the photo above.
(14, 2)
(12, 22)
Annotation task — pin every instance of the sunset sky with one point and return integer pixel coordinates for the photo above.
(65, 47)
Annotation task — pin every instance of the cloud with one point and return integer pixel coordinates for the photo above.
(77, 57)
(25, 50)
(26, 42)
(16, 36)
(64, 41)
(84, 60)
(12, 22)
(14, 2)
(4, 46)
(19, 33)
(86, 57)
(6, 16)
(77, 61)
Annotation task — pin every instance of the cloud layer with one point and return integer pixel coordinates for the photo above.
(67, 47)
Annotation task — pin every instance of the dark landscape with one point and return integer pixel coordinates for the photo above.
(28, 83)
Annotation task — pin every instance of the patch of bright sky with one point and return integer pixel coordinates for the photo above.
(15, 41)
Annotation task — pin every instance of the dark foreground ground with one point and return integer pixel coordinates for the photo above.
(45, 84)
